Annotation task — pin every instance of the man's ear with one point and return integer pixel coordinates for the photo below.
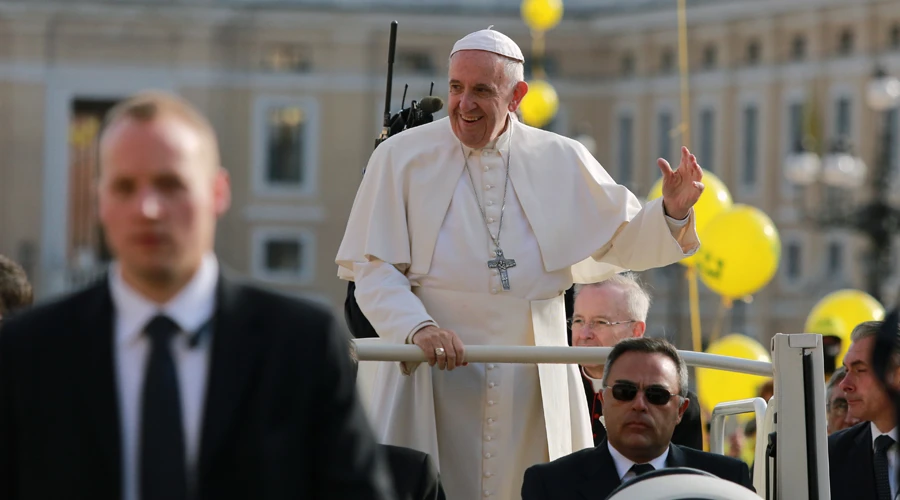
(638, 329)
(682, 409)
(519, 92)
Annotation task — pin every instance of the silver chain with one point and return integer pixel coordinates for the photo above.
(505, 188)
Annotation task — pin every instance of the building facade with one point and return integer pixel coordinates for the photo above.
(295, 90)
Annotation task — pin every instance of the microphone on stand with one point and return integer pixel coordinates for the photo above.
(418, 113)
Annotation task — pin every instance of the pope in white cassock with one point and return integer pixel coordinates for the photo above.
(468, 230)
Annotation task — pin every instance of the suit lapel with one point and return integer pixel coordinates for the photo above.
(599, 472)
(99, 392)
(676, 457)
(235, 346)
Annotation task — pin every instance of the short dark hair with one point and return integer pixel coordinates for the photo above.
(649, 346)
(15, 290)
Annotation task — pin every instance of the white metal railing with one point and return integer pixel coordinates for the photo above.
(378, 350)
(757, 406)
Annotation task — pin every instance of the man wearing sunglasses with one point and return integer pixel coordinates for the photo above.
(603, 314)
(644, 381)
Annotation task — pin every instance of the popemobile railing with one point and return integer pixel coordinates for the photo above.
(800, 460)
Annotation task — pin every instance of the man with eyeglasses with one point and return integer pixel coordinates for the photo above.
(603, 314)
(836, 404)
(644, 383)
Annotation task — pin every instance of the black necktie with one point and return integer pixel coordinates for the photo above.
(163, 474)
(882, 481)
(639, 469)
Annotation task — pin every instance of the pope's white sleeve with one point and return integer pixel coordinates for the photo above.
(384, 295)
(651, 239)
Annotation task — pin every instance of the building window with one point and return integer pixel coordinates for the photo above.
(842, 124)
(283, 255)
(795, 125)
(798, 48)
(286, 58)
(710, 57)
(754, 53)
(286, 146)
(835, 262)
(750, 149)
(894, 37)
(419, 63)
(707, 139)
(627, 65)
(284, 152)
(663, 137)
(793, 261)
(626, 134)
(846, 42)
(667, 62)
(547, 62)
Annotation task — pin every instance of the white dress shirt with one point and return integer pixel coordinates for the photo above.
(623, 465)
(191, 309)
(891, 455)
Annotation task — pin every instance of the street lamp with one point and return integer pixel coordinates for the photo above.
(840, 169)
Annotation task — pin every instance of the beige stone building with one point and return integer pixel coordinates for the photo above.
(296, 90)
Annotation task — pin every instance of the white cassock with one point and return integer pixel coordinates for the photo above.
(417, 245)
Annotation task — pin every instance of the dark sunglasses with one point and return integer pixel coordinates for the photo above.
(624, 391)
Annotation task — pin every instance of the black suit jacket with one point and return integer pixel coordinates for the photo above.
(415, 476)
(281, 420)
(851, 464)
(590, 474)
(688, 432)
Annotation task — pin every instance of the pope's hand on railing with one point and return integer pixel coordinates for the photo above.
(442, 347)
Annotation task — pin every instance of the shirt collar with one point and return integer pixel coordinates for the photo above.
(875, 433)
(191, 308)
(501, 143)
(623, 465)
(596, 383)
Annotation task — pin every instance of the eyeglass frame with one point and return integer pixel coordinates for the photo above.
(596, 324)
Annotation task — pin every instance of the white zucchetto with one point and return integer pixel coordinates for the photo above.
(490, 41)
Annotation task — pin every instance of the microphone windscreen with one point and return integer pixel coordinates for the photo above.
(431, 104)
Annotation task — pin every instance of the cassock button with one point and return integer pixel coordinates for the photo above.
(486, 168)
(491, 403)
(488, 438)
(490, 203)
(490, 367)
(490, 219)
(487, 186)
(493, 290)
(488, 474)
(487, 455)
(487, 493)
(490, 420)
(492, 385)
(597, 416)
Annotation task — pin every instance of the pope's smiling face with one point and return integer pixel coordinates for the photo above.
(481, 96)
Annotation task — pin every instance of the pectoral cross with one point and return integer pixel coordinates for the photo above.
(502, 264)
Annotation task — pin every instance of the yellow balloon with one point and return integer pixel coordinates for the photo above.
(739, 252)
(542, 15)
(540, 104)
(717, 386)
(838, 313)
(715, 199)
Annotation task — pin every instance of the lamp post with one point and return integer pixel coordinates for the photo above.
(840, 170)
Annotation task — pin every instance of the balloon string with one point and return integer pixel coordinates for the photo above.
(694, 299)
(722, 319)
(696, 335)
(685, 126)
(537, 55)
